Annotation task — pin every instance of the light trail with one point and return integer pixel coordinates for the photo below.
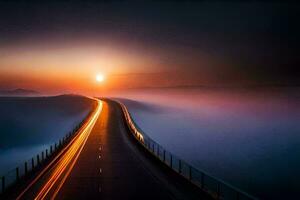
(67, 157)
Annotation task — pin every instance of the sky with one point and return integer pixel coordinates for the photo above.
(60, 46)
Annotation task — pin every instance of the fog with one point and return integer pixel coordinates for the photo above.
(248, 137)
(28, 125)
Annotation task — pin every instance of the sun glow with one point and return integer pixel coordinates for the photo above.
(100, 77)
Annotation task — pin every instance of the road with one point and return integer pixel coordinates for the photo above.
(104, 162)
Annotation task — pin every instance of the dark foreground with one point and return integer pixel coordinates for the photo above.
(112, 165)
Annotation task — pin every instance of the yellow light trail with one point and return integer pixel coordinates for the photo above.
(68, 157)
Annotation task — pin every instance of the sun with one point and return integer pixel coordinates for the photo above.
(100, 77)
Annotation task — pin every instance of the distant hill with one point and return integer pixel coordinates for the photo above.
(19, 92)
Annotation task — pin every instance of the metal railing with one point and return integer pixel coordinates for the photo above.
(26, 168)
(215, 187)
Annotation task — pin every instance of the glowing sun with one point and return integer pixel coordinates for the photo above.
(100, 77)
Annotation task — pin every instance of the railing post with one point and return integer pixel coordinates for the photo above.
(3, 183)
(190, 173)
(17, 174)
(157, 151)
(46, 153)
(179, 168)
(164, 155)
(32, 163)
(25, 167)
(171, 161)
(153, 147)
(55, 146)
(51, 149)
(38, 159)
(42, 155)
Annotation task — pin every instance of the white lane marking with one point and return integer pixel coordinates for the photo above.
(100, 170)
(99, 157)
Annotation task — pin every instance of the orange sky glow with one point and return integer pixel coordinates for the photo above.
(72, 68)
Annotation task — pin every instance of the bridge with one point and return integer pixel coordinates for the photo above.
(108, 157)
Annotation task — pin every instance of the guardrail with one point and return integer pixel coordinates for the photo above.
(25, 169)
(215, 187)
